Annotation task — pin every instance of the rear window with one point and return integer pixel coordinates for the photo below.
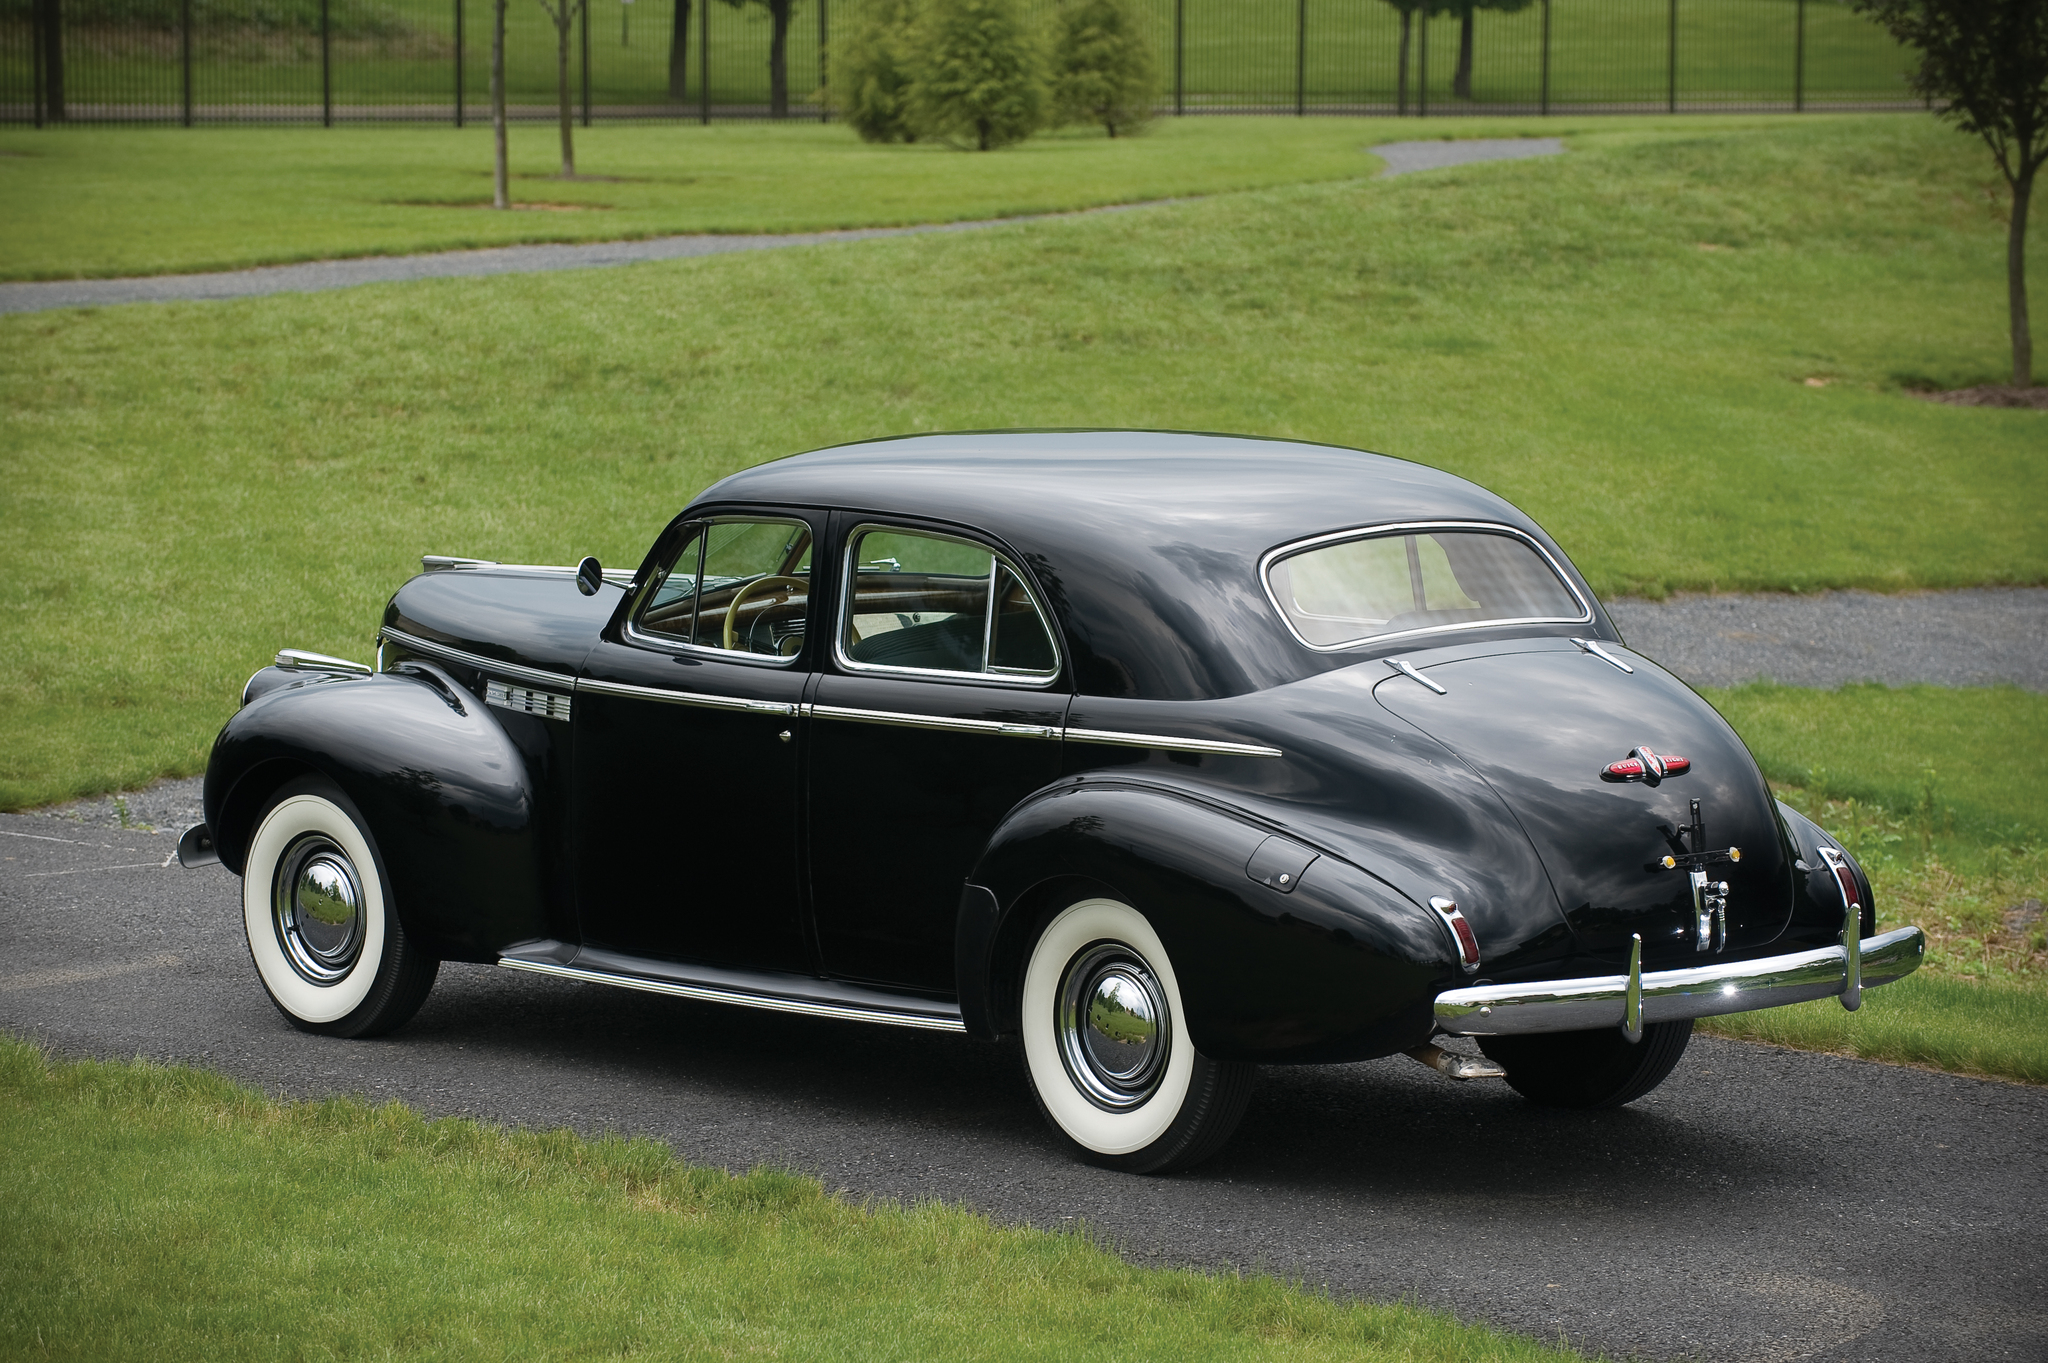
(1336, 591)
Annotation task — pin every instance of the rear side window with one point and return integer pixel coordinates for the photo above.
(1341, 590)
(930, 603)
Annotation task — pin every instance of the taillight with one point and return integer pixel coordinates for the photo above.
(1461, 932)
(1845, 880)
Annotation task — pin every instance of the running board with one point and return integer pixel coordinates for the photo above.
(774, 991)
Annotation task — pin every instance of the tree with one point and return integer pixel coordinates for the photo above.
(1461, 76)
(679, 53)
(979, 72)
(1102, 67)
(563, 13)
(871, 70)
(501, 180)
(1988, 59)
(780, 12)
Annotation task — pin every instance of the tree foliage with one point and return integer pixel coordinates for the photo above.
(1102, 67)
(1986, 61)
(871, 72)
(979, 73)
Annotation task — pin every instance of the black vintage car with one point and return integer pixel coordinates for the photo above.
(1170, 754)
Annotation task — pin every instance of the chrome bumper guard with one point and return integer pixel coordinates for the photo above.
(1630, 1001)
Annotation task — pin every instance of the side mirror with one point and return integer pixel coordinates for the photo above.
(589, 576)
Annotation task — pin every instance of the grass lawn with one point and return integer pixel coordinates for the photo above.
(163, 1213)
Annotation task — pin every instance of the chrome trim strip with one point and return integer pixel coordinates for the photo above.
(1407, 669)
(1592, 1002)
(1272, 556)
(771, 1002)
(1207, 745)
(914, 721)
(1592, 646)
(655, 693)
(463, 658)
(449, 563)
(300, 660)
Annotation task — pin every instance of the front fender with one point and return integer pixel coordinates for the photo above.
(446, 792)
(1338, 967)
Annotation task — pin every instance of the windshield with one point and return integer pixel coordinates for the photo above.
(1337, 592)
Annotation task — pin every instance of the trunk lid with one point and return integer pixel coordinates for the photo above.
(1540, 725)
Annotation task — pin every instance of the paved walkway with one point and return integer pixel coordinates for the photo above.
(1402, 158)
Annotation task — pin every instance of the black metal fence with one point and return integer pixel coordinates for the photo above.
(330, 61)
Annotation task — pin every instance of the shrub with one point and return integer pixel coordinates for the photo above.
(978, 72)
(871, 71)
(1102, 67)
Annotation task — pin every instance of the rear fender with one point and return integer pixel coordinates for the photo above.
(1816, 898)
(1339, 966)
(448, 795)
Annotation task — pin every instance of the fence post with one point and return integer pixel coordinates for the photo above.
(1180, 49)
(1422, 62)
(584, 38)
(326, 68)
(1799, 58)
(824, 66)
(704, 60)
(1300, 57)
(1671, 62)
(458, 63)
(1544, 97)
(185, 58)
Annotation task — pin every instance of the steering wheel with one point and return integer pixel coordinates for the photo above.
(783, 585)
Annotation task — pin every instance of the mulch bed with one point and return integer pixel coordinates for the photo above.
(1993, 395)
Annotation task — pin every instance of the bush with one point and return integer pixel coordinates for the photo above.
(871, 71)
(979, 72)
(1102, 68)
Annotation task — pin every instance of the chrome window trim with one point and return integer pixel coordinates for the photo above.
(711, 994)
(1273, 556)
(1033, 680)
(463, 658)
(627, 691)
(668, 644)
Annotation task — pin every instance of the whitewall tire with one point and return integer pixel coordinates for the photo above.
(1106, 1048)
(316, 911)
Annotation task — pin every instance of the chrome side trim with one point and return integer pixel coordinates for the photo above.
(299, 660)
(546, 704)
(1592, 1002)
(463, 658)
(770, 1002)
(697, 698)
(1204, 745)
(914, 721)
(1272, 556)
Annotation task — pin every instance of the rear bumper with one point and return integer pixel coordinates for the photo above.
(1592, 1002)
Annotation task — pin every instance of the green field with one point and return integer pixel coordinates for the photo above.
(1602, 51)
(164, 1213)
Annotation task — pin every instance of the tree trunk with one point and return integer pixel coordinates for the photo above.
(2016, 278)
(679, 52)
(1461, 82)
(501, 187)
(1401, 73)
(562, 26)
(981, 126)
(778, 58)
(53, 58)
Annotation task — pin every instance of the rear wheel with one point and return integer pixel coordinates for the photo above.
(1107, 1052)
(1589, 1069)
(316, 909)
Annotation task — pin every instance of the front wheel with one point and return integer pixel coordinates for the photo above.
(1106, 1047)
(1589, 1069)
(317, 912)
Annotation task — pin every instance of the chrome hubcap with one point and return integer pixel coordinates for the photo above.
(318, 901)
(1114, 1029)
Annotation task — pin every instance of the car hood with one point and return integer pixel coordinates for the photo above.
(1541, 725)
(531, 618)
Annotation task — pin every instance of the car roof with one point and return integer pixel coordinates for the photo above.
(1148, 542)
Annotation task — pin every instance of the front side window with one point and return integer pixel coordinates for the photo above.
(930, 603)
(1340, 591)
(742, 586)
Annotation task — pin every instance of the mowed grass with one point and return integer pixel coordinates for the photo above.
(191, 486)
(80, 202)
(1994, 1028)
(159, 1212)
